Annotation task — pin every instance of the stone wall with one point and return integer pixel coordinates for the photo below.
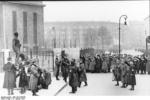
(19, 8)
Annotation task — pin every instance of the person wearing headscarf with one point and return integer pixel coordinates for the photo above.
(92, 65)
(23, 82)
(34, 75)
(10, 76)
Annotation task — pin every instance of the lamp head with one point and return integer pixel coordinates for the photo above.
(125, 23)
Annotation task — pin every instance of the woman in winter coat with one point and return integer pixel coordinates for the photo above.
(104, 66)
(10, 76)
(23, 82)
(33, 78)
(92, 65)
(48, 79)
(98, 64)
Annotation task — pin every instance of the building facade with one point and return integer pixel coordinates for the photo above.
(97, 35)
(24, 17)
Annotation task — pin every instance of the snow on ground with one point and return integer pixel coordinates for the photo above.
(53, 88)
(102, 84)
(98, 85)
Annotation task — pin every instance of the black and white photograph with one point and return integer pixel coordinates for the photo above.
(74, 48)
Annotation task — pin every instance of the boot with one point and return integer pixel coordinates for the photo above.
(79, 84)
(85, 84)
(117, 84)
(123, 86)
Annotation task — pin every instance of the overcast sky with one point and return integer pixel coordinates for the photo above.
(95, 10)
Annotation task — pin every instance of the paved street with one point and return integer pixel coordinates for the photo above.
(98, 85)
(102, 85)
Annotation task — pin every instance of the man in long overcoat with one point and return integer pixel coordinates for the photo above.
(118, 72)
(65, 68)
(123, 74)
(10, 76)
(82, 74)
(73, 77)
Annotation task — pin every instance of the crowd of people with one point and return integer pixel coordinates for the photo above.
(71, 72)
(32, 77)
(102, 63)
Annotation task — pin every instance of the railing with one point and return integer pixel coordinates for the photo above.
(46, 58)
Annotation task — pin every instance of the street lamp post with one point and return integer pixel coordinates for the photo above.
(125, 23)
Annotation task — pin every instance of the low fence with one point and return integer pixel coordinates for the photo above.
(46, 58)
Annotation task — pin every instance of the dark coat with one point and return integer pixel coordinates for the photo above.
(65, 67)
(131, 78)
(82, 73)
(98, 64)
(73, 78)
(23, 81)
(117, 73)
(10, 76)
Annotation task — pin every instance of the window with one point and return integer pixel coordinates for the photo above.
(14, 18)
(35, 28)
(25, 33)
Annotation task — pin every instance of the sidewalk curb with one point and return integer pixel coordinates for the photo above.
(63, 87)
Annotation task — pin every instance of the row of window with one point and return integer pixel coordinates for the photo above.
(25, 26)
